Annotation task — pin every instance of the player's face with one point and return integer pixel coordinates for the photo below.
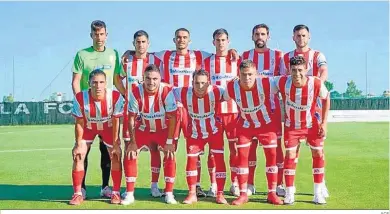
(301, 38)
(298, 73)
(152, 80)
(200, 84)
(221, 42)
(141, 44)
(248, 77)
(182, 39)
(98, 85)
(260, 37)
(99, 37)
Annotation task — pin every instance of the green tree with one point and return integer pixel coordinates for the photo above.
(329, 86)
(352, 90)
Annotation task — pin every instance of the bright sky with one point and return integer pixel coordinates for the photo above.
(44, 36)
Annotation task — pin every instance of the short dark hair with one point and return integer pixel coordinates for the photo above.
(219, 32)
(247, 64)
(297, 60)
(94, 73)
(140, 33)
(300, 27)
(182, 29)
(260, 26)
(152, 67)
(200, 72)
(97, 24)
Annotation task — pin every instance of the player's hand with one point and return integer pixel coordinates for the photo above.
(322, 130)
(116, 151)
(234, 55)
(132, 150)
(170, 150)
(78, 150)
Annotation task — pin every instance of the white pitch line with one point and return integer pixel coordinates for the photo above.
(32, 130)
(33, 150)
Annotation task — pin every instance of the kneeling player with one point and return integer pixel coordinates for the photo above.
(155, 103)
(97, 112)
(299, 94)
(201, 101)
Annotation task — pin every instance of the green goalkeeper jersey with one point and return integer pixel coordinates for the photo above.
(88, 59)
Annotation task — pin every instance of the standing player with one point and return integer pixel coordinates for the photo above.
(268, 63)
(155, 103)
(97, 56)
(133, 69)
(222, 69)
(201, 101)
(300, 94)
(252, 95)
(316, 65)
(97, 112)
(178, 67)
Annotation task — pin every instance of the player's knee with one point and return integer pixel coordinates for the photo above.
(291, 154)
(316, 153)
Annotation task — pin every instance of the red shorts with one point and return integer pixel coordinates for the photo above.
(196, 146)
(106, 135)
(292, 138)
(265, 134)
(147, 138)
(181, 123)
(229, 124)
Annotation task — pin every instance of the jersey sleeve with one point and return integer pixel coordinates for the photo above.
(77, 64)
(133, 107)
(160, 55)
(118, 106)
(226, 96)
(76, 109)
(323, 91)
(170, 102)
(221, 92)
(177, 93)
(321, 60)
(274, 83)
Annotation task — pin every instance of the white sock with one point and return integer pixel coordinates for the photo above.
(154, 185)
(169, 194)
(317, 188)
(130, 193)
(214, 186)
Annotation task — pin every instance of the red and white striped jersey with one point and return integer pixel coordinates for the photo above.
(135, 67)
(98, 115)
(177, 69)
(300, 103)
(314, 60)
(254, 104)
(152, 108)
(222, 70)
(202, 111)
(268, 63)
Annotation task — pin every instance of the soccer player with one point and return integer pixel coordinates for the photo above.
(300, 93)
(97, 111)
(252, 95)
(133, 70)
(201, 101)
(222, 69)
(269, 63)
(155, 103)
(97, 56)
(316, 65)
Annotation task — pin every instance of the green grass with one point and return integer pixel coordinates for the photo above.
(357, 172)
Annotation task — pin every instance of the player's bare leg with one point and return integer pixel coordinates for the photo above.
(318, 174)
(78, 172)
(116, 174)
(289, 175)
